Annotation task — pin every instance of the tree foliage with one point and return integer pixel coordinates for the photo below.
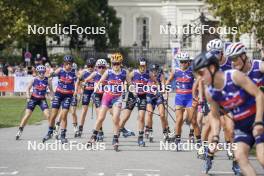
(247, 15)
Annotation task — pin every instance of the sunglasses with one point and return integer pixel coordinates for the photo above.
(116, 63)
(90, 66)
(184, 62)
(101, 67)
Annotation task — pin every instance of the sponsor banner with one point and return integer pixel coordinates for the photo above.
(6, 84)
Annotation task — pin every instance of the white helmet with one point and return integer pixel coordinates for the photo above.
(47, 65)
(235, 49)
(101, 62)
(41, 68)
(183, 56)
(215, 44)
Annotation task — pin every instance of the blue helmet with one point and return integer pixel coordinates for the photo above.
(68, 58)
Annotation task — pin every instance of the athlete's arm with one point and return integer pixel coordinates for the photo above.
(55, 73)
(170, 77)
(77, 84)
(103, 78)
(195, 87)
(29, 88)
(244, 82)
(50, 88)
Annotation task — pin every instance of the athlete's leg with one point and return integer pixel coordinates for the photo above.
(163, 119)
(241, 155)
(260, 153)
(127, 113)
(101, 117)
(83, 114)
(25, 118)
(179, 120)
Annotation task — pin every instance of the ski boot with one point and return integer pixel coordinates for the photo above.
(208, 160)
(56, 130)
(151, 135)
(166, 135)
(100, 136)
(146, 132)
(140, 139)
(19, 133)
(93, 139)
(177, 142)
(49, 135)
(230, 153)
(63, 138)
(115, 143)
(79, 133)
(76, 131)
(127, 132)
(191, 136)
(236, 168)
(172, 136)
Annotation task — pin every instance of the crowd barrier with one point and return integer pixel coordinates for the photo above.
(16, 84)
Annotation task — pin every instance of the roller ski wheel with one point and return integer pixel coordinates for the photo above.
(100, 136)
(236, 169)
(19, 133)
(141, 143)
(76, 134)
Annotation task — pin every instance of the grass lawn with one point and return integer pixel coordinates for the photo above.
(12, 110)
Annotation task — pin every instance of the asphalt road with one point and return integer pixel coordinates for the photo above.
(20, 158)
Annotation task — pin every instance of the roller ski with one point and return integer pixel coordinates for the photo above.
(115, 143)
(236, 169)
(201, 153)
(63, 138)
(171, 136)
(48, 136)
(166, 136)
(146, 132)
(76, 131)
(191, 137)
(177, 142)
(92, 141)
(151, 137)
(208, 161)
(100, 136)
(56, 131)
(127, 132)
(19, 133)
(230, 153)
(79, 132)
(141, 142)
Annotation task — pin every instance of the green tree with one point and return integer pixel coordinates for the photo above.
(247, 15)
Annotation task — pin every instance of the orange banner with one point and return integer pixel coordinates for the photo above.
(6, 84)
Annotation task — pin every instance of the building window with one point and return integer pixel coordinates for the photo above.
(142, 31)
(187, 37)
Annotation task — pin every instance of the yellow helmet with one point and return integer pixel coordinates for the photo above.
(116, 57)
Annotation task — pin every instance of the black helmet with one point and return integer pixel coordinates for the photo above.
(68, 58)
(90, 61)
(142, 61)
(204, 60)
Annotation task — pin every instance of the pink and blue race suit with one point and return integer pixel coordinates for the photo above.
(114, 88)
